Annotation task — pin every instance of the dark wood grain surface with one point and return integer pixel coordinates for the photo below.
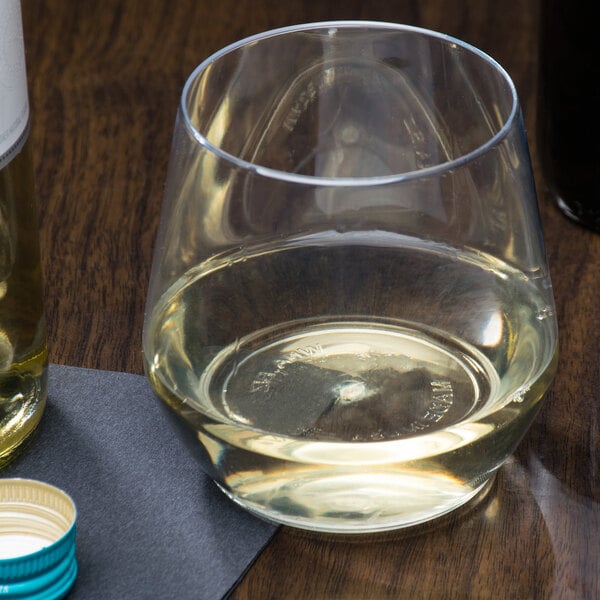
(105, 79)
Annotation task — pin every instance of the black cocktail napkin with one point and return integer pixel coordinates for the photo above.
(150, 523)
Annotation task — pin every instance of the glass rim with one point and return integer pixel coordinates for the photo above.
(363, 181)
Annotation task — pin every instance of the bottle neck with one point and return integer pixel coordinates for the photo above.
(14, 102)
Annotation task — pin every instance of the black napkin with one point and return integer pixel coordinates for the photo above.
(150, 523)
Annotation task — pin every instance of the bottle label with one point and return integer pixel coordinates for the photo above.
(14, 103)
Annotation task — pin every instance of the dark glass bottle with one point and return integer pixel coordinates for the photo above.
(569, 108)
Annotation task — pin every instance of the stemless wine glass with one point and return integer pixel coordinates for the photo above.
(349, 299)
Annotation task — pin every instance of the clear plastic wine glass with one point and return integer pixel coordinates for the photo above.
(350, 300)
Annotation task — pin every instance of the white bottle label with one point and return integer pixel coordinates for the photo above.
(14, 104)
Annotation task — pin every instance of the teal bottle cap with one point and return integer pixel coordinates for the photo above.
(37, 540)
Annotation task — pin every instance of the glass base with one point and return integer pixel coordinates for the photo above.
(394, 512)
(20, 446)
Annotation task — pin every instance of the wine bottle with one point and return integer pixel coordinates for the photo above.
(23, 337)
(567, 105)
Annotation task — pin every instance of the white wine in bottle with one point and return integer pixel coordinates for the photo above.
(23, 339)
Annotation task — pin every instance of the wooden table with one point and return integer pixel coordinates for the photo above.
(105, 79)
